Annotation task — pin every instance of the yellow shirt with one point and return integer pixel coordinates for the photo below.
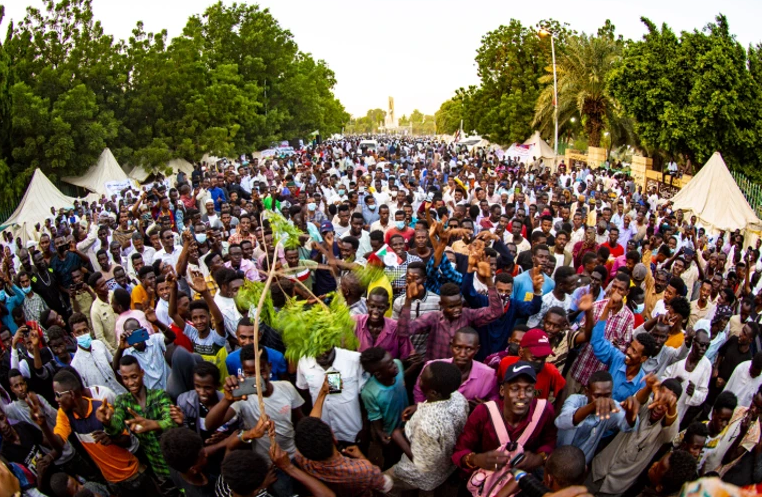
(675, 341)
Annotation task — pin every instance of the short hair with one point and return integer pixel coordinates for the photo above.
(601, 376)
(756, 361)
(180, 448)
(449, 290)
(679, 285)
(418, 265)
(632, 255)
(210, 257)
(371, 356)
(143, 272)
(356, 215)
(198, 304)
(681, 306)
(314, 439)
(725, 400)
(59, 483)
(379, 291)
(129, 360)
(56, 332)
(502, 278)
(122, 298)
(557, 310)
(247, 354)
(566, 464)
(696, 429)
(353, 241)
(588, 257)
(94, 278)
(537, 236)
(377, 236)
(600, 269)
(650, 347)
(682, 469)
(672, 384)
(206, 368)
(445, 377)
(225, 276)
(244, 471)
(68, 381)
(539, 247)
(564, 272)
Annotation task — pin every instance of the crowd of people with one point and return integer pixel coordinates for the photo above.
(526, 323)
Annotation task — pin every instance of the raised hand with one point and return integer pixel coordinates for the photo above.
(538, 279)
(177, 415)
(35, 409)
(104, 413)
(484, 270)
(138, 424)
(605, 407)
(197, 282)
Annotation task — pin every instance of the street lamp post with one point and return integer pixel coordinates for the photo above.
(547, 32)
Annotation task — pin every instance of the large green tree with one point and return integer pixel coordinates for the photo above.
(694, 94)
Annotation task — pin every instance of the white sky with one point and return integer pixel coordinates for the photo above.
(418, 51)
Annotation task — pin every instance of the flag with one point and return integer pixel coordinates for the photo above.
(385, 256)
(457, 136)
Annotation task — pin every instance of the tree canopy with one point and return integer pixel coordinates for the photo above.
(231, 83)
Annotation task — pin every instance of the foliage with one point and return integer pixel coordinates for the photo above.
(284, 232)
(231, 83)
(247, 300)
(694, 94)
(369, 123)
(309, 331)
(582, 70)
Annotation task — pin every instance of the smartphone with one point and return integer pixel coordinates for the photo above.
(334, 382)
(137, 336)
(246, 387)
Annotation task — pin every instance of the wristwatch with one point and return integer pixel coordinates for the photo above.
(240, 437)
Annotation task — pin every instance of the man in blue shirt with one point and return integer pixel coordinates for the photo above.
(585, 418)
(523, 288)
(245, 334)
(626, 368)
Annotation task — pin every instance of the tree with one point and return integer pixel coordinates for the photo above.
(694, 94)
(582, 71)
(448, 116)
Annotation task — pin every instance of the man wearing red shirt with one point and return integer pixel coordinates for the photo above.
(400, 228)
(535, 349)
(615, 249)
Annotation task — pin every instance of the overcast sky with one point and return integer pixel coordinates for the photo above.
(418, 51)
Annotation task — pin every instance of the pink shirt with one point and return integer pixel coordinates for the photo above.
(131, 314)
(388, 339)
(248, 268)
(481, 383)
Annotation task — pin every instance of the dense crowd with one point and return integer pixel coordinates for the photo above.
(520, 327)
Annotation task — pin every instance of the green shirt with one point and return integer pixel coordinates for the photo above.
(157, 408)
(386, 402)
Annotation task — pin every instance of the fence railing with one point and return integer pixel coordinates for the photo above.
(751, 190)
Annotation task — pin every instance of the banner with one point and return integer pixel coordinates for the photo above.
(523, 152)
(116, 187)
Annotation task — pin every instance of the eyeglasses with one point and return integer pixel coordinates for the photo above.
(58, 395)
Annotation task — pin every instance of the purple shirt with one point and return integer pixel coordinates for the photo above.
(441, 330)
(480, 384)
(389, 339)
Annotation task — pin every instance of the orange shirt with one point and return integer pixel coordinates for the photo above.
(116, 463)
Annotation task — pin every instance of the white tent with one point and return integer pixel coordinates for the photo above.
(104, 171)
(715, 199)
(541, 149)
(140, 174)
(178, 165)
(40, 196)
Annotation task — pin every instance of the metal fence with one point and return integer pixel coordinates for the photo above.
(751, 190)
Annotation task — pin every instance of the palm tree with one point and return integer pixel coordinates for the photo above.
(582, 88)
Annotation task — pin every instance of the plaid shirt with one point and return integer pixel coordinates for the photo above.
(439, 275)
(441, 330)
(398, 275)
(346, 476)
(618, 331)
(211, 285)
(157, 408)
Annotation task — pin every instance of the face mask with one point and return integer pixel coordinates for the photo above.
(84, 341)
(400, 225)
(341, 192)
(372, 207)
(640, 308)
(312, 206)
(201, 238)
(26, 290)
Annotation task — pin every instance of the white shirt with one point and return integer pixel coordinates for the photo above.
(548, 300)
(229, 311)
(94, 366)
(152, 361)
(364, 240)
(341, 410)
(166, 257)
(700, 377)
(742, 384)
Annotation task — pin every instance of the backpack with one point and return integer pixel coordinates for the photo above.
(485, 483)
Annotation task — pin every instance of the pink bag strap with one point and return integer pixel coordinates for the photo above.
(536, 415)
(497, 421)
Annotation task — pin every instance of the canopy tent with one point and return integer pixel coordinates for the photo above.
(104, 171)
(40, 196)
(140, 174)
(715, 199)
(178, 165)
(541, 149)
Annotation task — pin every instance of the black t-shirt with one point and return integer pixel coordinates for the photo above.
(191, 490)
(732, 357)
(28, 452)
